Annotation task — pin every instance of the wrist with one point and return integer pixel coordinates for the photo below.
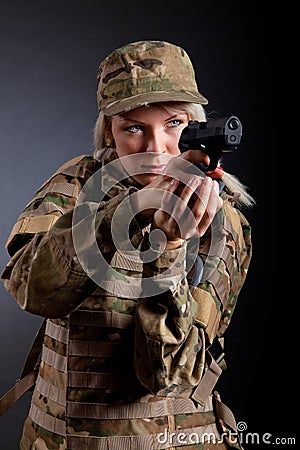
(158, 241)
(172, 245)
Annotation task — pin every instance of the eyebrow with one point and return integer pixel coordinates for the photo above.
(125, 119)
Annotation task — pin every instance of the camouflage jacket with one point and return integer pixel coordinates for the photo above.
(120, 369)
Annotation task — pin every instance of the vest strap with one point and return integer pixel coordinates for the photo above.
(208, 381)
(166, 407)
(34, 224)
(50, 357)
(93, 348)
(166, 440)
(50, 391)
(103, 319)
(50, 423)
(225, 414)
(28, 376)
(208, 315)
(15, 393)
(34, 351)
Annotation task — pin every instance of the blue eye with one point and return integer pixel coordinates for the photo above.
(175, 123)
(134, 128)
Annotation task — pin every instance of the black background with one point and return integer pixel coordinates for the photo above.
(49, 54)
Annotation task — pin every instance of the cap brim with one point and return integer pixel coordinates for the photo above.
(136, 101)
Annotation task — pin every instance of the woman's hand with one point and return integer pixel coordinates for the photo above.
(187, 211)
(182, 203)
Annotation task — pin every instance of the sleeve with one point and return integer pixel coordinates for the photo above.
(44, 274)
(175, 328)
(168, 349)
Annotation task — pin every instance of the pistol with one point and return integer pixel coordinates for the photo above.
(214, 137)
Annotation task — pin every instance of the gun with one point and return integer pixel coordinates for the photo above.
(214, 137)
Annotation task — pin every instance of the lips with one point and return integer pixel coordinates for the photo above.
(153, 168)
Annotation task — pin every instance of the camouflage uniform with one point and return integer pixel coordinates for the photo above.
(117, 372)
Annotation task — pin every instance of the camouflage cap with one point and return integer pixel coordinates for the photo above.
(145, 72)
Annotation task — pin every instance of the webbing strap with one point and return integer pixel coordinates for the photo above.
(216, 279)
(50, 423)
(110, 319)
(54, 359)
(208, 381)
(28, 375)
(50, 391)
(131, 262)
(166, 407)
(168, 439)
(93, 348)
(34, 224)
(34, 351)
(207, 314)
(227, 258)
(91, 380)
(57, 332)
(16, 392)
(43, 209)
(67, 189)
(224, 413)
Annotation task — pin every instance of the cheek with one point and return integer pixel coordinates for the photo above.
(175, 151)
(125, 146)
(122, 148)
(172, 146)
(120, 151)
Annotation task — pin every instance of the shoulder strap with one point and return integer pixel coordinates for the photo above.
(28, 375)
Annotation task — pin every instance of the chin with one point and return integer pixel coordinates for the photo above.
(145, 179)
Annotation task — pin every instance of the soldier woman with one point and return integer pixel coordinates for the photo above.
(135, 257)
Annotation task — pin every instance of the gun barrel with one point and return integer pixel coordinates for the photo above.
(225, 132)
(213, 137)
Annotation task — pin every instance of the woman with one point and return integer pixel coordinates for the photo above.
(136, 258)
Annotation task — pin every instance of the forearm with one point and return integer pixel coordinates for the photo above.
(47, 277)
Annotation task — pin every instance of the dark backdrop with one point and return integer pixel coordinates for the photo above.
(49, 54)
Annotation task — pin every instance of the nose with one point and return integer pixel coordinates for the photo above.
(155, 142)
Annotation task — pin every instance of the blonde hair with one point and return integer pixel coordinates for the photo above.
(196, 112)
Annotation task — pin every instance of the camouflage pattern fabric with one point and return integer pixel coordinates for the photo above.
(145, 72)
(118, 372)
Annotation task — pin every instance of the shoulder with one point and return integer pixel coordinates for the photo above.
(80, 166)
(57, 195)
